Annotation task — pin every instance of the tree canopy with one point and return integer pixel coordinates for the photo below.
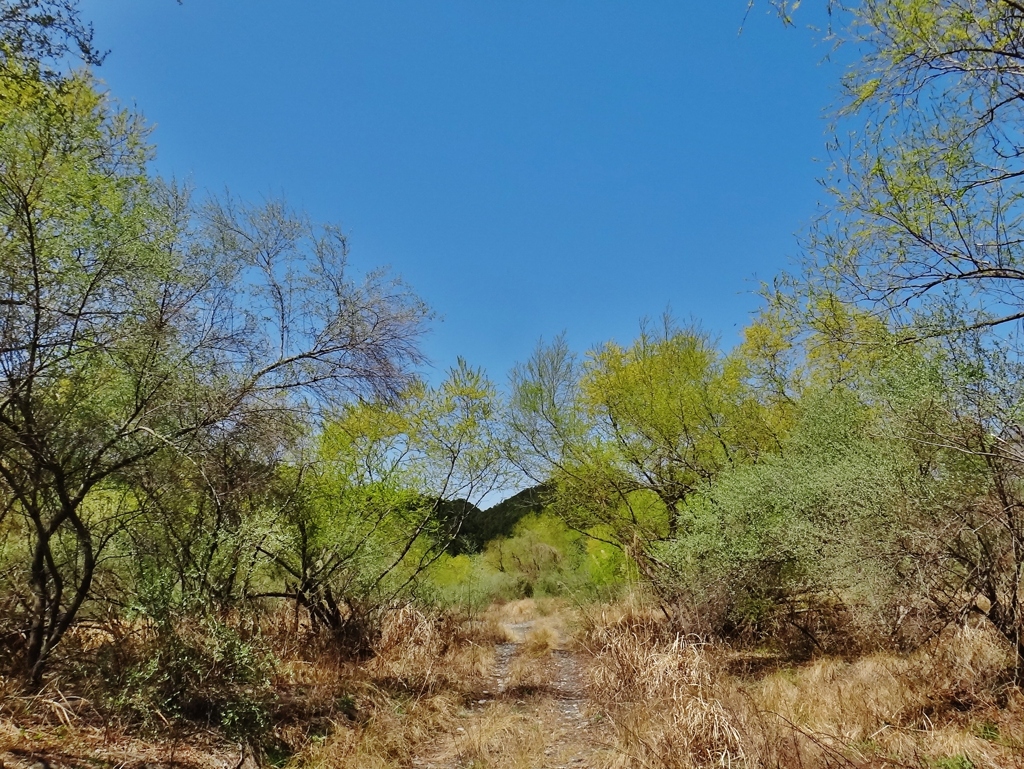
(135, 321)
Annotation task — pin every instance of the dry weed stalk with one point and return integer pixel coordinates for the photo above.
(674, 705)
(542, 638)
(410, 695)
(661, 697)
(427, 653)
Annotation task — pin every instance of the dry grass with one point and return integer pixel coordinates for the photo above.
(945, 705)
(429, 653)
(540, 624)
(673, 703)
(64, 731)
(428, 702)
(330, 711)
(428, 698)
(501, 736)
(404, 700)
(632, 608)
(526, 677)
(660, 696)
(511, 612)
(545, 636)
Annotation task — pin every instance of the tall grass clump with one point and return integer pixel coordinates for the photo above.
(679, 702)
(658, 690)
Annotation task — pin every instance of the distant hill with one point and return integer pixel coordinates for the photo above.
(481, 526)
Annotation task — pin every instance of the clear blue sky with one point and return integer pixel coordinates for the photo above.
(528, 166)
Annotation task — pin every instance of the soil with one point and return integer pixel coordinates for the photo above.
(547, 721)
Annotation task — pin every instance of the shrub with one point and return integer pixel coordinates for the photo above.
(543, 557)
(800, 538)
(204, 672)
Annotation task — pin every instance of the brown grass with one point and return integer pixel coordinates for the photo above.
(429, 653)
(406, 698)
(529, 610)
(64, 730)
(660, 696)
(942, 705)
(542, 638)
(330, 711)
(673, 703)
(428, 697)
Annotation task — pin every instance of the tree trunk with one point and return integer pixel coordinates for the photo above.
(51, 617)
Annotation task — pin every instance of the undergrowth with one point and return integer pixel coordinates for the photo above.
(677, 702)
(274, 694)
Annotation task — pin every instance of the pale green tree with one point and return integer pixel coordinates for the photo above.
(926, 223)
(926, 231)
(135, 322)
(386, 493)
(629, 433)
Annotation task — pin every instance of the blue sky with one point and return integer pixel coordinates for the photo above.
(527, 166)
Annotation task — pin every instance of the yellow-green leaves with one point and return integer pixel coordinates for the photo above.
(442, 442)
(925, 225)
(633, 431)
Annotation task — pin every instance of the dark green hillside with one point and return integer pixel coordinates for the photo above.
(481, 526)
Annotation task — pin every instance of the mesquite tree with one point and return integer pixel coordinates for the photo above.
(628, 434)
(385, 494)
(926, 231)
(136, 323)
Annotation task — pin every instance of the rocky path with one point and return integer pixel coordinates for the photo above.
(534, 716)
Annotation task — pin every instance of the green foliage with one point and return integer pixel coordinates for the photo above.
(82, 227)
(813, 520)
(159, 352)
(541, 557)
(958, 761)
(201, 410)
(927, 213)
(386, 495)
(629, 434)
(481, 526)
(199, 671)
(926, 233)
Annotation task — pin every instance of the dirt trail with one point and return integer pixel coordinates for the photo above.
(534, 716)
